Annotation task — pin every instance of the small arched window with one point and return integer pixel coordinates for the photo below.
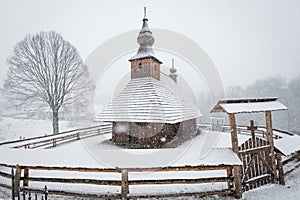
(140, 66)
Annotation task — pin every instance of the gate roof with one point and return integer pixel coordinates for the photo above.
(250, 105)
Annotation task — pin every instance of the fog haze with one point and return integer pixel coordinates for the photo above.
(246, 40)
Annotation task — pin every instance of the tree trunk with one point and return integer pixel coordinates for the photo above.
(55, 121)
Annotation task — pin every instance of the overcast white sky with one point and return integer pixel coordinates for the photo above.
(246, 40)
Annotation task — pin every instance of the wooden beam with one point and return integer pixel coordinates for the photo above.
(12, 184)
(180, 181)
(26, 175)
(76, 180)
(254, 150)
(252, 128)
(271, 142)
(280, 168)
(125, 185)
(234, 138)
(229, 176)
(17, 180)
(237, 181)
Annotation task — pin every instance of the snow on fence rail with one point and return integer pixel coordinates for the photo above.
(277, 133)
(52, 140)
(294, 157)
(220, 178)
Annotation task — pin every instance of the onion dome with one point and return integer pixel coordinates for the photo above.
(145, 39)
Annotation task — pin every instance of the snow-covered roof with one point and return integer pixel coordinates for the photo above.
(149, 100)
(144, 53)
(233, 106)
(222, 156)
(288, 144)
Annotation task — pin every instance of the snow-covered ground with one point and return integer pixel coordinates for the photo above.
(13, 129)
(94, 152)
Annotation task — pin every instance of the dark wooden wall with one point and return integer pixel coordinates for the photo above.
(151, 135)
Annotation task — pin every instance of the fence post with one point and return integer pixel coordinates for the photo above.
(26, 175)
(17, 178)
(12, 184)
(280, 169)
(124, 186)
(237, 181)
(229, 175)
(270, 140)
(46, 192)
(77, 136)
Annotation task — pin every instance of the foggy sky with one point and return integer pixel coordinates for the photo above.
(246, 40)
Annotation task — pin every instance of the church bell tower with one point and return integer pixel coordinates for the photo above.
(144, 63)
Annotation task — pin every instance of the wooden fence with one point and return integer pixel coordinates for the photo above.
(53, 140)
(20, 178)
(294, 157)
(245, 130)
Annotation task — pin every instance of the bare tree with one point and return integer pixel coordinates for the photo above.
(46, 69)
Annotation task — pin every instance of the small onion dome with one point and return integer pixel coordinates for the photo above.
(173, 70)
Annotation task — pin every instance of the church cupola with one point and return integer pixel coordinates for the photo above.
(144, 63)
(173, 71)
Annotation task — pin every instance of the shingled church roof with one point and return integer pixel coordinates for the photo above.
(149, 100)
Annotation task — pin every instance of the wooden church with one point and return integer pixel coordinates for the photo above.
(152, 109)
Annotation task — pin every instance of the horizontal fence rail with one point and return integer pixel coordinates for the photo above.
(53, 140)
(244, 130)
(21, 178)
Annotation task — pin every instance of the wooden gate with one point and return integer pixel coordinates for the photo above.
(257, 168)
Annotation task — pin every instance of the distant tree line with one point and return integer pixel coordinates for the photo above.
(288, 93)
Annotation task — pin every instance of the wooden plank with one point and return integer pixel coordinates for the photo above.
(5, 175)
(280, 168)
(260, 163)
(76, 180)
(271, 142)
(237, 181)
(119, 170)
(251, 166)
(180, 181)
(254, 179)
(17, 178)
(5, 186)
(26, 176)
(292, 158)
(75, 194)
(12, 184)
(230, 177)
(51, 135)
(225, 192)
(181, 168)
(234, 138)
(255, 150)
(124, 185)
(249, 162)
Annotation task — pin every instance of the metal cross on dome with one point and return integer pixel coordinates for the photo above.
(145, 12)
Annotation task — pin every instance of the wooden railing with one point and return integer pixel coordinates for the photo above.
(53, 140)
(21, 175)
(294, 157)
(244, 130)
